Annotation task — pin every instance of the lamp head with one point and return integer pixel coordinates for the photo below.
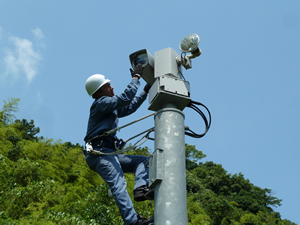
(189, 43)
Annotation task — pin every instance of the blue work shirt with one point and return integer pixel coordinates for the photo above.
(105, 111)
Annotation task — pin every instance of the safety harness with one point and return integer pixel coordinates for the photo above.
(105, 141)
(118, 144)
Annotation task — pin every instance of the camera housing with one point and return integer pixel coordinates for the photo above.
(146, 59)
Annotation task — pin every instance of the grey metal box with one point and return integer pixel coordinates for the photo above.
(165, 62)
(156, 168)
(169, 89)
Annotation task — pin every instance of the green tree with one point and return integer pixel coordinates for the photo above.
(16, 151)
(27, 129)
(43, 181)
(6, 114)
(227, 198)
(139, 151)
(192, 156)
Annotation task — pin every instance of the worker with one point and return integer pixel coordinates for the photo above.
(104, 113)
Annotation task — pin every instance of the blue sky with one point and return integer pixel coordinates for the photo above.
(247, 75)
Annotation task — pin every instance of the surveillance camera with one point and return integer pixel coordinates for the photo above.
(146, 59)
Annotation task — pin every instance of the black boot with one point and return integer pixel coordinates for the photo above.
(143, 221)
(143, 193)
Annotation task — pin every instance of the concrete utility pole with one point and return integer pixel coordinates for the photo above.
(168, 96)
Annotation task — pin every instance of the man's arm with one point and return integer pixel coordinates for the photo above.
(133, 106)
(107, 104)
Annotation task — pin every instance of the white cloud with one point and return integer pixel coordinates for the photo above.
(23, 59)
(38, 33)
(39, 36)
(11, 64)
(39, 98)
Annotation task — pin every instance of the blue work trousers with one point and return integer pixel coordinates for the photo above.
(112, 168)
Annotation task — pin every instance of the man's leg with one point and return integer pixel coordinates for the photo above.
(109, 168)
(136, 164)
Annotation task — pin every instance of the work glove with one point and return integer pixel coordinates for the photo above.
(137, 72)
(147, 88)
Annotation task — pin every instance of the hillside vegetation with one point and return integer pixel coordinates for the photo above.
(43, 181)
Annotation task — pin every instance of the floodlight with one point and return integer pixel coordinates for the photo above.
(189, 43)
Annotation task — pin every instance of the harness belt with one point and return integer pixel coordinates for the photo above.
(116, 144)
(100, 143)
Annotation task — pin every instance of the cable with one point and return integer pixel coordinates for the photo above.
(191, 133)
(119, 128)
(133, 147)
(105, 134)
(179, 65)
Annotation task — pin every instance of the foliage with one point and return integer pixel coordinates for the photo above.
(192, 156)
(138, 151)
(27, 129)
(222, 198)
(9, 107)
(48, 182)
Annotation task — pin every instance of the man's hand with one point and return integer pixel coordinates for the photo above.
(147, 88)
(137, 72)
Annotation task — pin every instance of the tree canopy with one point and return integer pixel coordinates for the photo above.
(43, 181)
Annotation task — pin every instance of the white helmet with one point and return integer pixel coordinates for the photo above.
(94, 82)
